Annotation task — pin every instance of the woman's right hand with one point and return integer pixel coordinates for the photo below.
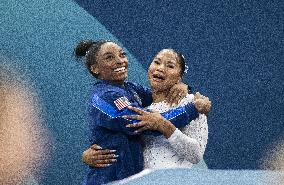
(150, 121)
(97, 157)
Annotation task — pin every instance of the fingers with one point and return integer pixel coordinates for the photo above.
(106, 161)
(170, 96)
(100, 165)
(137, 117)
(197, 96)
(139, 111)
(177, 93)
(99, 158)
(141, 124)
(200, 96)
(104, 157)
(176, 96)
(96, 147)
(103, 152)
(203, 106)
(135, 125)
(141, 129)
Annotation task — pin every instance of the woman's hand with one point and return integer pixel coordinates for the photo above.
(177, 93)
(150, 121)
(202, 103)
(96, 157)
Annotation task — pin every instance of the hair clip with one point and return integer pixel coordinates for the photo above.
(87, 53)
(185, 69)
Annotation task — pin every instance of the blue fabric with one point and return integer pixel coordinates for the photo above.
(109, 131)
(114, 113)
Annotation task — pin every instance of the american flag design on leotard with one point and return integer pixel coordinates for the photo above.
(121, 103)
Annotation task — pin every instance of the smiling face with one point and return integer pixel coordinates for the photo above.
(164, 71)
(112, 63)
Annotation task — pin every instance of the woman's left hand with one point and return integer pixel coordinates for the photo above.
(202, 103)
(177, 93)
(150, 121)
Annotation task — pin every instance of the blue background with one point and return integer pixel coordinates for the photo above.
(234, 50)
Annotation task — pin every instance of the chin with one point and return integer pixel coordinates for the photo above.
(158, 87)
(123, 78)
(120, 79)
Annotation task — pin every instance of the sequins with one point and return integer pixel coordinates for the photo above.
(183, 148)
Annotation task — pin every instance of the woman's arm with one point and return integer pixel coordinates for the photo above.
(167, 126)
(190, 142)
(105, 110)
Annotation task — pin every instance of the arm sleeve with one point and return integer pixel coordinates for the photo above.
(181, 116)
(190, 144)
(106, 114)
(144, 93)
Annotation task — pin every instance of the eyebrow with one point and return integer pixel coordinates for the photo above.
(172, 62)
(110, 53)
(107, 53)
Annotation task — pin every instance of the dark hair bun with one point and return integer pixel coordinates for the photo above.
(82, 48)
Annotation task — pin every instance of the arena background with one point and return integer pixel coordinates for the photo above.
(234, 50)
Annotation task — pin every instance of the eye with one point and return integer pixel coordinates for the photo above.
(157, 62)
(171, 66)
(109, 57)
(123, 55)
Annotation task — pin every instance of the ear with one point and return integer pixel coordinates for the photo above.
(95, 69)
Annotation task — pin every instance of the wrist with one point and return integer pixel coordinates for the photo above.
(167, 129)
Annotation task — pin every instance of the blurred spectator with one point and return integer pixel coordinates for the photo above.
(23, 141)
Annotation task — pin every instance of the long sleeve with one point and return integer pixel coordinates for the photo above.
(144, 93)
(190, 142)
(106, 114)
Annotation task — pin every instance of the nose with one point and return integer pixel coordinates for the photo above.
(161, 68)
(119, 61)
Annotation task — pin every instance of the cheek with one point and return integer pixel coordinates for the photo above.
(150, 70)
(105, 70)
(126, 61)
(174, 78)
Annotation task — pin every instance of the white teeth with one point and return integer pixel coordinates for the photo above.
(157, 79)
(119, 69)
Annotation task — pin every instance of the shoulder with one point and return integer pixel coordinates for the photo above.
(135, 86)
(131, 84)
(187, 99)
(107, 92)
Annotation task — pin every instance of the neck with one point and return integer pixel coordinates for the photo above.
(159, 95)
(120, 83)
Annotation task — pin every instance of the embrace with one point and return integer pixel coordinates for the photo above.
(135, 128)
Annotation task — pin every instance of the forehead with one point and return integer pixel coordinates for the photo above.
(109, 47)
(167, 55)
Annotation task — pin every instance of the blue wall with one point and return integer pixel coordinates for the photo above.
(38, 39)
(234, 50)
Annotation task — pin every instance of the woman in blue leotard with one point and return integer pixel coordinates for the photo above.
(111, 95)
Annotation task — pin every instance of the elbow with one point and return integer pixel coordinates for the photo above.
(195, 155)
(196, 158)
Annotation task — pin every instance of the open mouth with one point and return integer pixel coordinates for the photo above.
(121, 69)
(158, 77)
